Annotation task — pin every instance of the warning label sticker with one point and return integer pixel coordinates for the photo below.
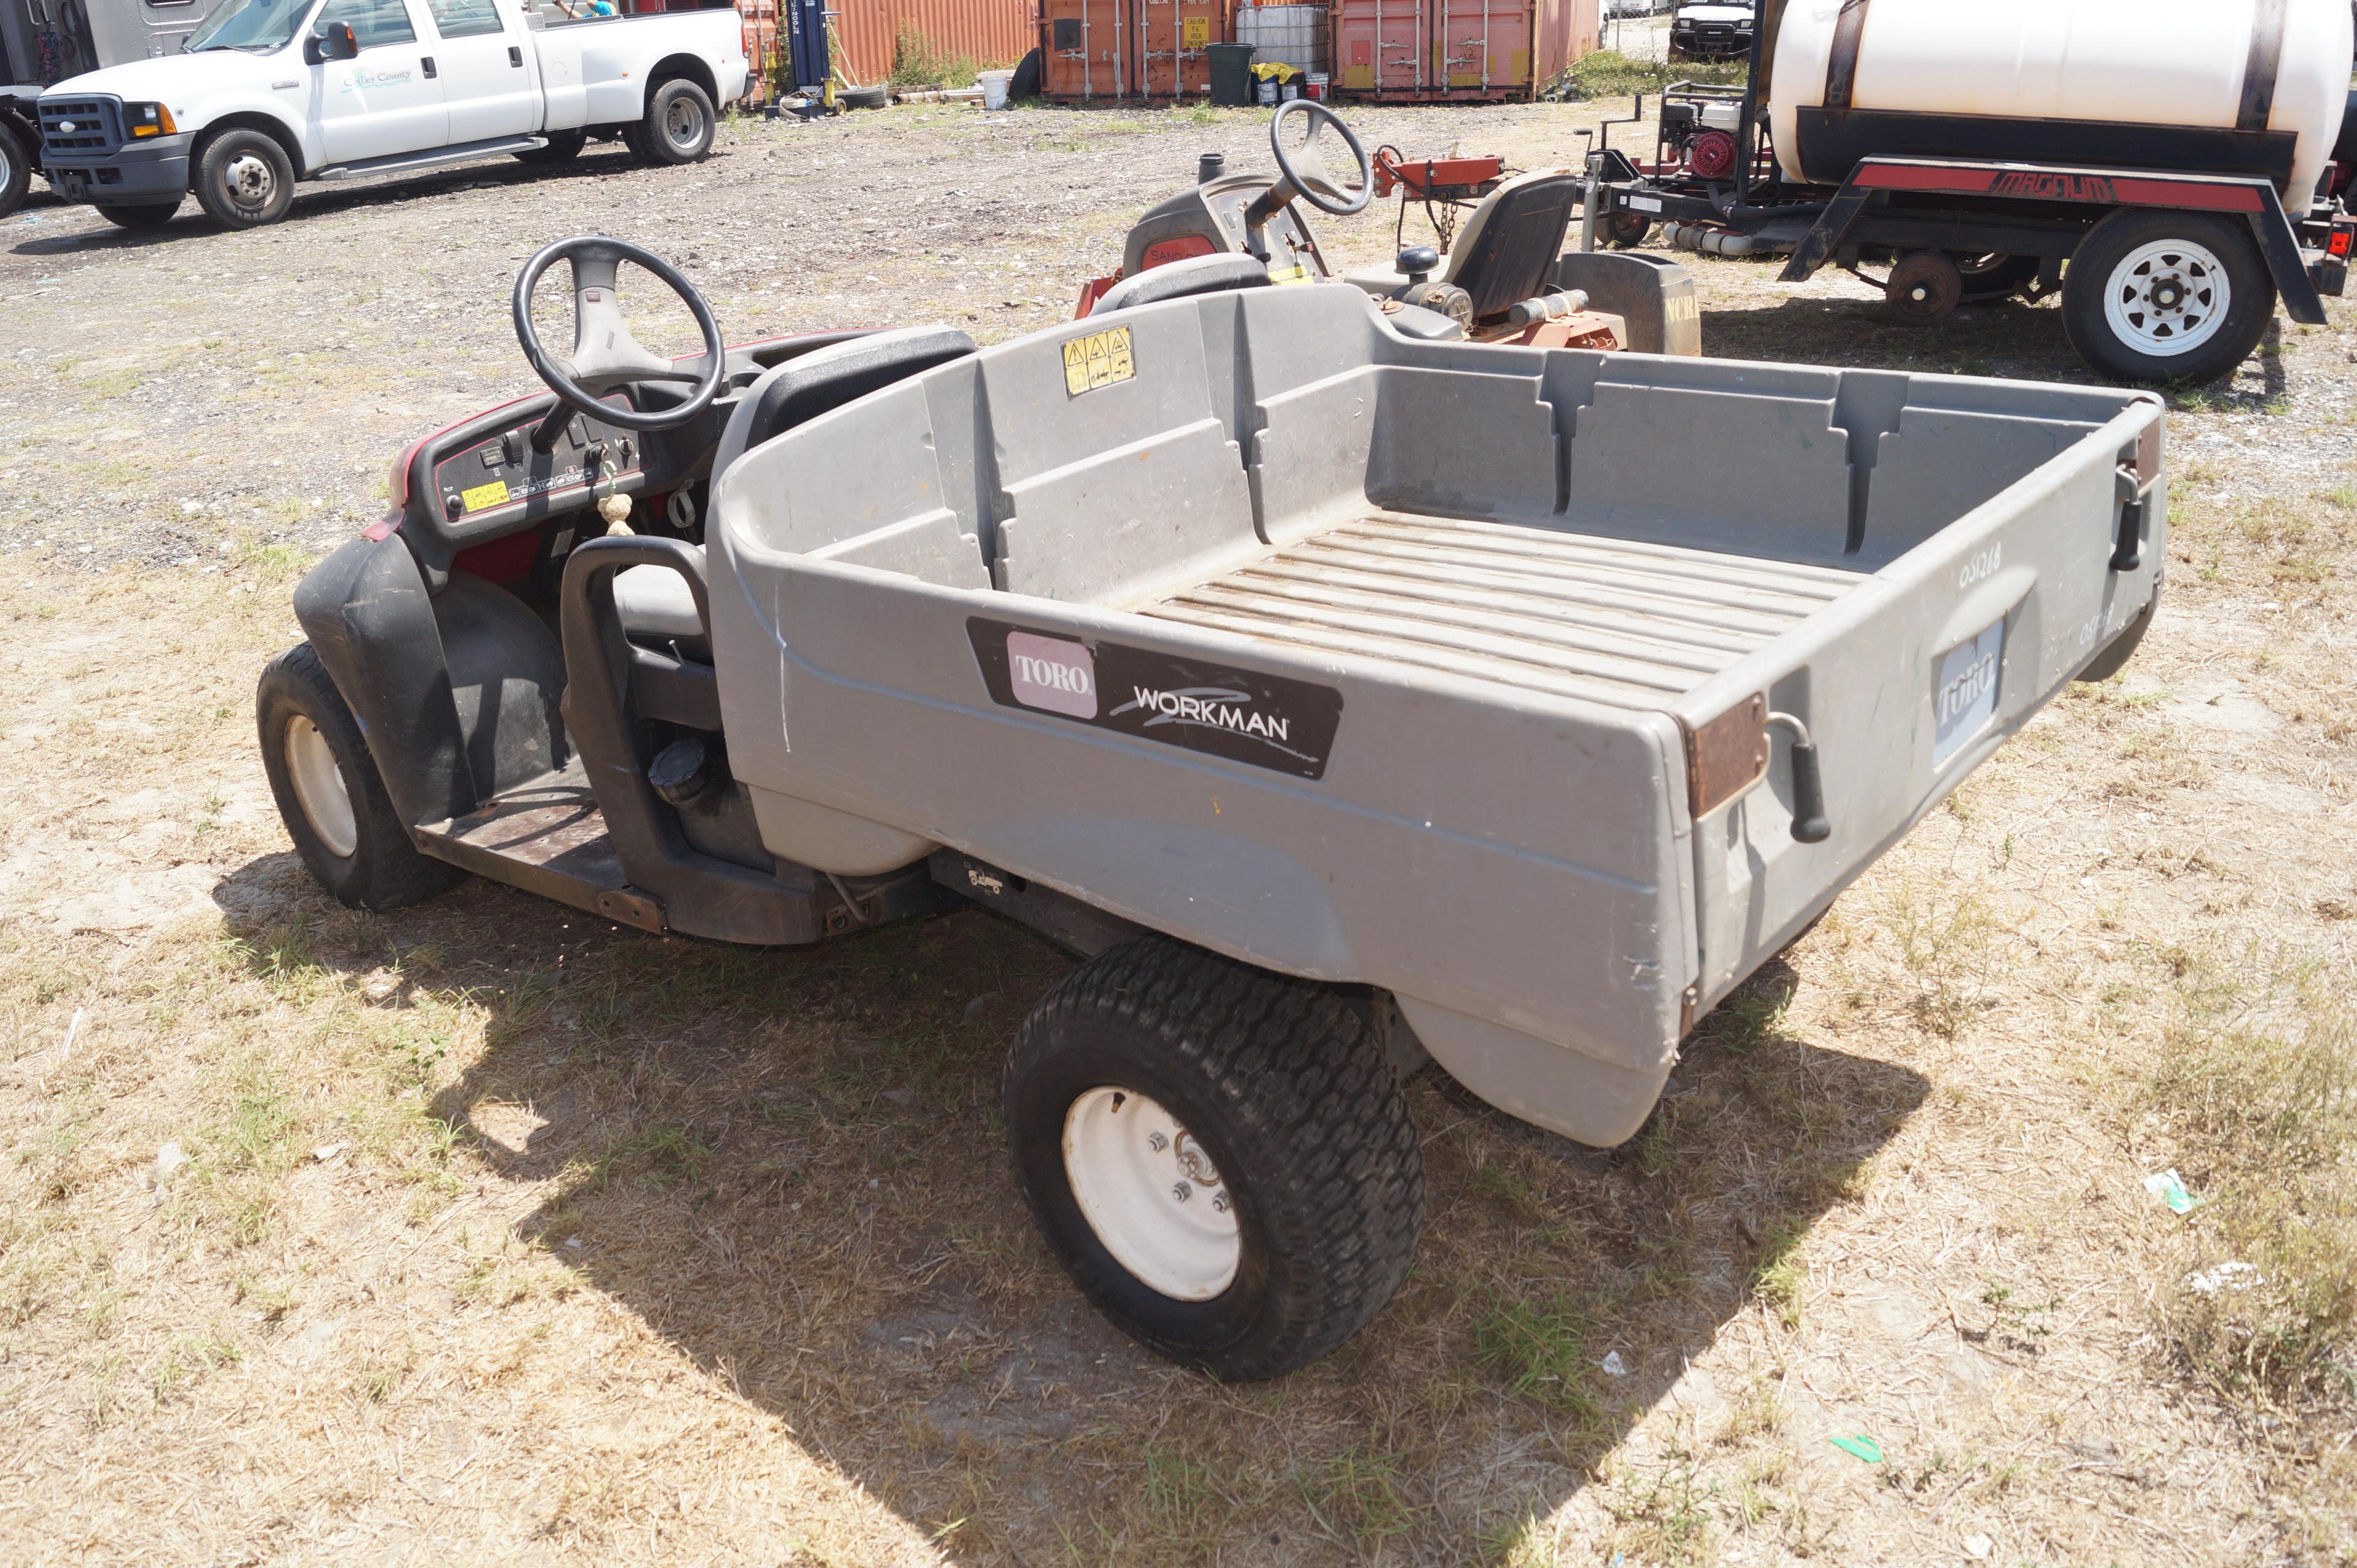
(1194, 32)
(482, 495)
(1097, 360)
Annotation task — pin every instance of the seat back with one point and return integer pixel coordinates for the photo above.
(825, 379)
(1509, 248)
(1179, 280)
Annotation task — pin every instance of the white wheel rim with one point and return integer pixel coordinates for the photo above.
(250, 181)
(319, 788)
(1151, 1194)
(2168, 298)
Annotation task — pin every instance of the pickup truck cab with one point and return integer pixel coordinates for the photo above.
(269, 92)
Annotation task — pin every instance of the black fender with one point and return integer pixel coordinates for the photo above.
(1654, 294)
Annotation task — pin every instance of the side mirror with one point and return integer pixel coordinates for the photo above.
(332, 40)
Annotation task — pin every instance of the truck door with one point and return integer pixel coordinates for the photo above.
(386, 102)
(485, 65)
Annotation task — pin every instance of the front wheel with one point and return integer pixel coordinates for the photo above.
(2157, 295)
(245, 179)
(1221, 1156)
(330, 794)
(145, 215)
(679, 125)
(16, 171)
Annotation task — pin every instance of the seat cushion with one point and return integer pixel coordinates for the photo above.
(655, 602)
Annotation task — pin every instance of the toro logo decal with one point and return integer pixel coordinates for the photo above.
(2035, 187)
(1262, 720)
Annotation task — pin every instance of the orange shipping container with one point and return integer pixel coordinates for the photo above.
(1429, 51)
(1128, 49)
(987, 32)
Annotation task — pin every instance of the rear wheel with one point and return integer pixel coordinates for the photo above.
(1924, 288)
(16, 171)
(1625, 231)
(679, 124)
(1221, 1156)
(330, 794)
(245, 179)
(1991, 278)
(563, 147)
(2155, 296)
(147, 215)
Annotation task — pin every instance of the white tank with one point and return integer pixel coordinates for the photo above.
(2145, 62)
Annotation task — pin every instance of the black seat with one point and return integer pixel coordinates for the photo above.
(1512, 256)
(825, 379)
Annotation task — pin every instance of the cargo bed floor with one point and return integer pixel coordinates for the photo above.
(1610, 621)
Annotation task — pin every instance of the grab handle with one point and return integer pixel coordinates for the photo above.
(1809, 821)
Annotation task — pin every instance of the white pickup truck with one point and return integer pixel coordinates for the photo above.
(268, 92)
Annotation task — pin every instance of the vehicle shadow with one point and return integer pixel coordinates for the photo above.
(790, 1165)
(596, 162)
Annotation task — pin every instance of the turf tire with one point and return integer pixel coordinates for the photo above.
(384, 870)
(1288, 1090)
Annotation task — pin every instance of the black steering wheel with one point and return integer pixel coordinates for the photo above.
(605, 355)
(1303, 168)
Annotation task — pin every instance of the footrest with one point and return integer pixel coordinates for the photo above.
(546, 837)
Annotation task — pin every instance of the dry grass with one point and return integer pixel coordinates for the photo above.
(504, 1233)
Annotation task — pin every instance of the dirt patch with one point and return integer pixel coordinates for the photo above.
(648, 1250)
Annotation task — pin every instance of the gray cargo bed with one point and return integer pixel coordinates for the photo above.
(1437, 668)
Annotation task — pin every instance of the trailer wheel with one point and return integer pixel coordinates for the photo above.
(1924, 288)
(1988, 279)
(679, 124)
(1220, 1157)
(16, 171)
(329, 792)
(145, 215)
(2153, 294)
(1626, 230)
(245, 179)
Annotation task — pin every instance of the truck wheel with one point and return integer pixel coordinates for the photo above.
(16, 171)
(329, 793)
(563, 147)
(2156, 296)
(1220, 1157)
(147, 215)
(679, 124)
(245, 179)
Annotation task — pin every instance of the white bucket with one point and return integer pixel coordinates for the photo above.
(1264, 91)
(994, 88)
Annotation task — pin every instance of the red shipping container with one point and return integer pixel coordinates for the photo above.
(1091, 49)
(1437, 50)
(866, 32)
(1171, 61)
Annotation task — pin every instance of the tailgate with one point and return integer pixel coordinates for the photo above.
(1906, 683)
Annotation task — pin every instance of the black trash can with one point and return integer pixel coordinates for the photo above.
(1231, 79)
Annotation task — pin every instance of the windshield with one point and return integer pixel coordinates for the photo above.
(259, 26)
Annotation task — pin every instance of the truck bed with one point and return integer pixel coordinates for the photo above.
(1445, 670)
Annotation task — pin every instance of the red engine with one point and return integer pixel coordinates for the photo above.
(1710, 154)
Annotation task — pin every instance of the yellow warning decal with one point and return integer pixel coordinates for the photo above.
(1194, 32)
(1097, 360)
(1288, 274)
(482, 495)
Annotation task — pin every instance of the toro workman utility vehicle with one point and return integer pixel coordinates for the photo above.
(1345, 699)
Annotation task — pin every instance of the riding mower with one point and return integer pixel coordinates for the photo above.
(1499, 274)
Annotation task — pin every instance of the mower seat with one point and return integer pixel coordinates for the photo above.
(654, 602)
(1508, 249)
(1179, 280)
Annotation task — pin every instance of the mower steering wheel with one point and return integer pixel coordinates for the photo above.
(605, 355)
(1304, 168)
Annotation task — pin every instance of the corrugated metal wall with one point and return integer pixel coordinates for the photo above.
(990, 32)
